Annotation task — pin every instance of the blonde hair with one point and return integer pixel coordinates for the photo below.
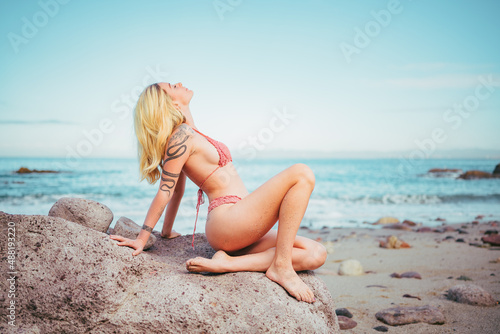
(155, 118)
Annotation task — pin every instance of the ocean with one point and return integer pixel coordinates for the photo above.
(348, 192)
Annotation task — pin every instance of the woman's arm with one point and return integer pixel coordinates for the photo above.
(178, 150)
(172, 208)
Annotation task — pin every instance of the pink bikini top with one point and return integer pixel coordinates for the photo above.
(224, 159)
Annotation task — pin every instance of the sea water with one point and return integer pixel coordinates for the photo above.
(348, 192)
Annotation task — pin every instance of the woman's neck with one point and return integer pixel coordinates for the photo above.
(189, 118)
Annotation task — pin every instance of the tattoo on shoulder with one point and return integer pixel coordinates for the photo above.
(147, 228)
(176, 148)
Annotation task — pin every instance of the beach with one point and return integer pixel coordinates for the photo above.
(437, 257)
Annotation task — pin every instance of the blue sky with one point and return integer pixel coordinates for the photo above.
(356, 77)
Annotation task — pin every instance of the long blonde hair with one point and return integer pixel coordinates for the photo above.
(155, 117)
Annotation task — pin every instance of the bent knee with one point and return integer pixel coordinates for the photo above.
(304, 173)
(317, 256)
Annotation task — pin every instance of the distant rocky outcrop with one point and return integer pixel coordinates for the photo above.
(24, 170)
(468, 175)
(74, 279)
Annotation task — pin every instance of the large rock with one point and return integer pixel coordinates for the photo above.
(129, 229)
(351, 268)
(401, 315)
(471, 294)
(496, 171)
(386, 220)
(73, 279)
(83, 211)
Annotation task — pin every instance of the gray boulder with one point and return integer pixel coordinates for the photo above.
(471, 294)
(402, 315)
(129, 229)
(86, 212)
(73, 279)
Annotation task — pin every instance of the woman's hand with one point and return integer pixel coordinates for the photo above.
(170, 235)
(136, 244)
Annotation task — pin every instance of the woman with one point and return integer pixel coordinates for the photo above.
(238, 223)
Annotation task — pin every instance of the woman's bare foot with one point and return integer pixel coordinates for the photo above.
(288, 279)
(217, 264)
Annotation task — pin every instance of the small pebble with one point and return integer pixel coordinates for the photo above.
(344, 312)
(346, 323)
(460, 240)
(381, 329)
(464, 278)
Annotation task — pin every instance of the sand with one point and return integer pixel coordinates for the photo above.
(440, 262)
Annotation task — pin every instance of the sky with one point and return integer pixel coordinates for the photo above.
(409, 78)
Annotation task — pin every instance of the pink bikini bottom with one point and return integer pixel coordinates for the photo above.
(230, 199)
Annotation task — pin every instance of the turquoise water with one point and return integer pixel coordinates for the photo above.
(347, 193)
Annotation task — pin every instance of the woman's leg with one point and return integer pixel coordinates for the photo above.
(284, 198)
(306, 255)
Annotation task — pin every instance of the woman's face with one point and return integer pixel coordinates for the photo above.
(177, 92)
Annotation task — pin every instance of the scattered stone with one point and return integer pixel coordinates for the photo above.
(439, 219)
(24, 170)
(424, 229)
(129, 229)
(377, 286)
(489, 232)
(350, 268)
(403, 227)
(386, 220)
(408, 274)
(461, 231)
(493, 239)
(471, 294)
(409, 222)
(460, 240)
(448, 237)
(85, 212)
(346, 323)
(344, 312)
(448, 228)
(77, 280)
(475, 222)
(393, 242)
(409, 315)
(464, 278)
(410, 296)
(381, 328)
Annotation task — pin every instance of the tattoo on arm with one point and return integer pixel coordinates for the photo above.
(147, 228)
(176, 149)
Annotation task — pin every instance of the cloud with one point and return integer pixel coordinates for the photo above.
(33, 122)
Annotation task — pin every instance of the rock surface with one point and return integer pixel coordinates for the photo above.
(88, 213)
(409, 315)
(129, 229)
(471, 294)
(77, 280)
(393, 242)
(350, 268)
